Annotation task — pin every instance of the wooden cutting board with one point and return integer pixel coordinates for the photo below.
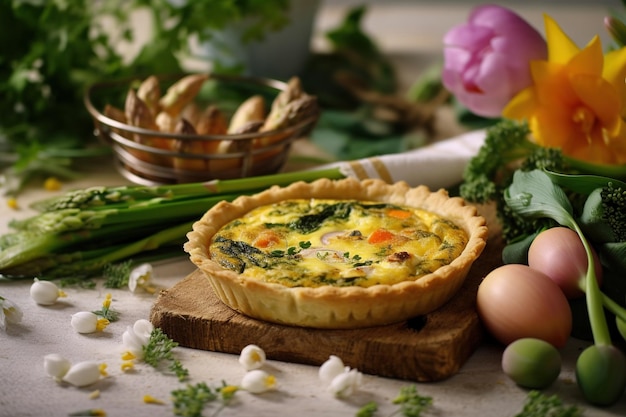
(427, 348)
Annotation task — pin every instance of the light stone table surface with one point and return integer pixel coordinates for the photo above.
(479, 389)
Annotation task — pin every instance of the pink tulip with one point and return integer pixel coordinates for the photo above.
(486, 61)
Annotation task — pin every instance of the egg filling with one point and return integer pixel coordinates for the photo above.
(317, 242)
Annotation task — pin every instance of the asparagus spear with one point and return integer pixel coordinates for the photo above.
(123, 196)
(79, 233)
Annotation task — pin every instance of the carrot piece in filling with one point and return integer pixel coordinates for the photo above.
(380, 236)
(398, 214)
(266, 239)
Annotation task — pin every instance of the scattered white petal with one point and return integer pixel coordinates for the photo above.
(136, 337)
(56, 366)
(83, 373)
(258, 381)
(85, 322)
(141, 278)
(45, 292)
(346, 383)
(252, 357)
(9, 313)
(143, 329)
(132, 343)
(331, 368)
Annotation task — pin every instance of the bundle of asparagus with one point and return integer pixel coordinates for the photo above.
(77, 234)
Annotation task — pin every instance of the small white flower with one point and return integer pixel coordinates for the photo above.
(45, 292)
(84, 373)
(252, 357)
(9, 313)
(141, 278)
(136, 337)
(258, 381)
(143, 328)
(331, 368)
(346, 383)
(56, 365)
(88, 322)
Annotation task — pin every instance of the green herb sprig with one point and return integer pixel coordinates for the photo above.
(159, 350)
(106, 312)
(542, 405)
(191, 400)
(409, 401)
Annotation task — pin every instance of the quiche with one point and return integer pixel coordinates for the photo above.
(338, 254)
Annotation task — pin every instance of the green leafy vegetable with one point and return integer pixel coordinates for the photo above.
(507, 149)
(311, 222)
(601, 368)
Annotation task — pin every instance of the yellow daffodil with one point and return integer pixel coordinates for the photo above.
(578, 99)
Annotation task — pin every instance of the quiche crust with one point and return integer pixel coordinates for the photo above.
(332, 307)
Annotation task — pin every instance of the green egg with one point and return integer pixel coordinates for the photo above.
(531, 363)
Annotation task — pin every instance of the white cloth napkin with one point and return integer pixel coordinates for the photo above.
(439, 165)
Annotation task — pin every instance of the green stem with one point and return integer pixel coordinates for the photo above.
(98, 198)
(612, 171)
(146, 244)
(613, 307)
(244, 184)
(610, 305)
(43, 245)
(163, 210)
(599, 327)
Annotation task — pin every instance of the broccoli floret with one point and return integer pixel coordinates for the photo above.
(507, 148)
(614, 209)
(488, 172)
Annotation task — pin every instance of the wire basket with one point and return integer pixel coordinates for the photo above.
(248, 154)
